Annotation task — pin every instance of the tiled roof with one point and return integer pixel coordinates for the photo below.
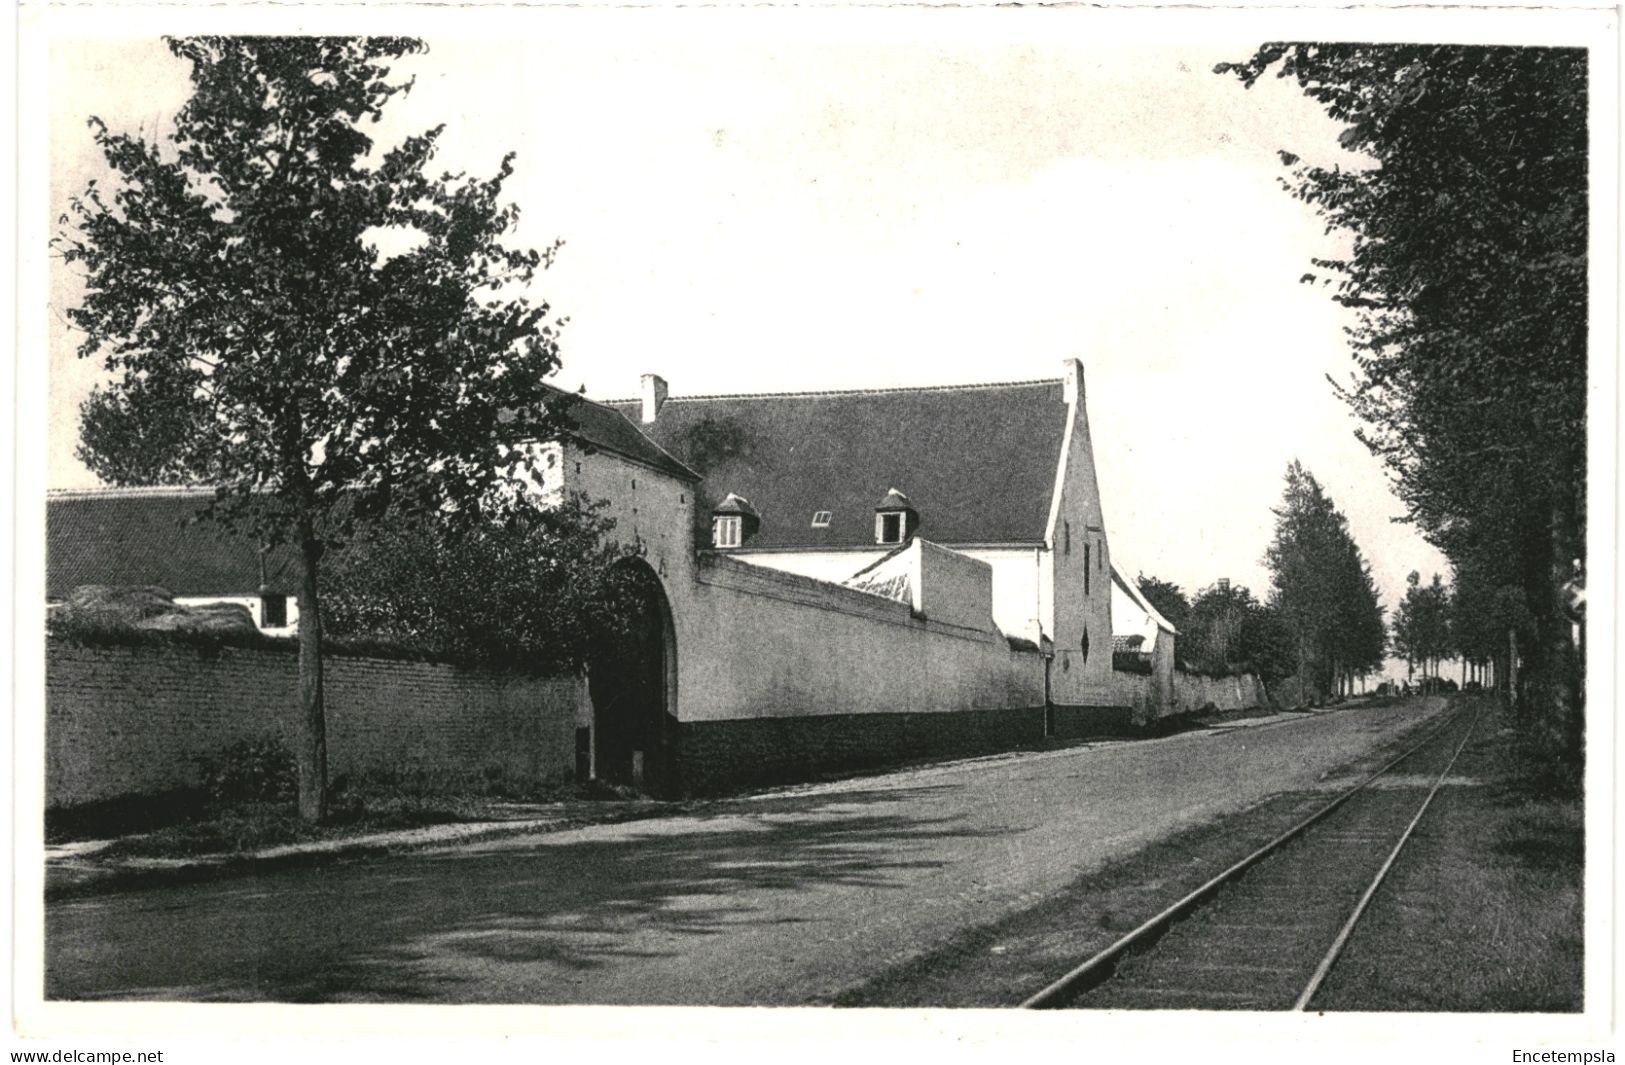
(140, 536)
(978, 462)
(608, 429)
(146, 536)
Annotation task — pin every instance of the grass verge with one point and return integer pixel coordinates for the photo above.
(244, 827)
(1484, 911)
(195, 826)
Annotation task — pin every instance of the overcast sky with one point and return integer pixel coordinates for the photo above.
(774, 210)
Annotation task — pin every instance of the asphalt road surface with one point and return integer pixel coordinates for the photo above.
(785, 899)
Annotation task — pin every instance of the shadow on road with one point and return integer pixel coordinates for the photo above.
(505, 921)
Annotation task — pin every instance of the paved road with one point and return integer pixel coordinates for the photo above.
(784, 899)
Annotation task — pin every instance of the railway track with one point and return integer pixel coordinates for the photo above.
(1264, 933)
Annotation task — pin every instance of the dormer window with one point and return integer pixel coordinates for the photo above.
(727, 530)
(895, 519)
(820, 519)
(733, 522)
(273, 610)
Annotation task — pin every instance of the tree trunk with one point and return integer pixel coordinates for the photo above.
(313, 735)
(1303, 674)
(1512, 668)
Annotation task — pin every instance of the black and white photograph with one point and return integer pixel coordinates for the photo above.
(959, 524)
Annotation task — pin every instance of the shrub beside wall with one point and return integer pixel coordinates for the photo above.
(145, 718)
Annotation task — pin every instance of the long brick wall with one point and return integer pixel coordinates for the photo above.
(142, 720)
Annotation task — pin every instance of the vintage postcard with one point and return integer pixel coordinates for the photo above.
(1081, 529)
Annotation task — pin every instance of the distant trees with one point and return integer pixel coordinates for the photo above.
(1224, 630)
(1468, 273)
(1423, 631)
(1484, 620)
(1321, 588)
(1210, 641)
(1230, 631)
(320, 331)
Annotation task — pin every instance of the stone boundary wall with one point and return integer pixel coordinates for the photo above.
(126, 721)
(1241, 692)
(1190, 692)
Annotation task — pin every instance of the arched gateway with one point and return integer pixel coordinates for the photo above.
(632, 680)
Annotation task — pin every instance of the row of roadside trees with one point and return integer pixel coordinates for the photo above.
(1468, 279)
(1322, 622)
(1435, 623)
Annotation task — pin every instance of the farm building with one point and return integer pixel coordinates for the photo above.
(831, 579)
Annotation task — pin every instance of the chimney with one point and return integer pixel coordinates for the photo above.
(1224, 584)
(1072, 381)
(654, 396)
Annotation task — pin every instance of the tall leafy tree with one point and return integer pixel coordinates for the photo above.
(1229, 631)
(1468, 272)
(1168, 598)
(1321, 586)
(1267, 644)
(320, 329)
(1210, 642)
(1361, 642)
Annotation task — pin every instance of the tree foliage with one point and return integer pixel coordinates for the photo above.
(1468, 274)
(1422, 626)
(530, 586)
(1167, 597)
(1228, 631)
(1321, 586)
(321, 330)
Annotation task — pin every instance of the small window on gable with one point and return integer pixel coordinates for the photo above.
(1100, 556)
(889, 528)
(820, 519)
(1085, 569)
(726, 530)
(273, 611)
(1066, 529)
